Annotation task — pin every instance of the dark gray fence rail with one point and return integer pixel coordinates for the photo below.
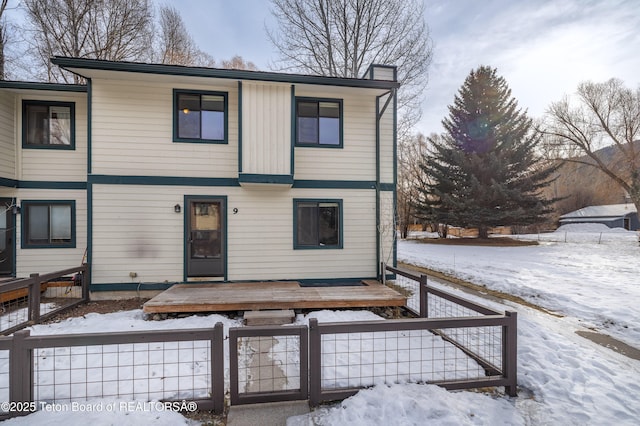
(456, 344)
(28, 301)
(494, 350)
(166, 365)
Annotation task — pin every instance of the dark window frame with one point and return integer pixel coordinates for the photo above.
(26, 103)
(318, 201)
(24, 240)
(176, 112)
(301, 99)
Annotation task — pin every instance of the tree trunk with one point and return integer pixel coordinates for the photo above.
(483, 232)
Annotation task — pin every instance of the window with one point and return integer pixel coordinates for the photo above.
(48, 224)
(317, 224)
(319, 122)
(49, 125)
(200, 117)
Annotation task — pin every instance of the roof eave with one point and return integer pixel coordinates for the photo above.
(30, 85)
(75, 64)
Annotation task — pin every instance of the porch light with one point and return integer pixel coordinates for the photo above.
(15, 209)
(177, 208)
(185, 111)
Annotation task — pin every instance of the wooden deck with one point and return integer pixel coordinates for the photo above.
(270, 295)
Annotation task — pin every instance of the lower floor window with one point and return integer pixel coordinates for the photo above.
(48, 224)
(318, 223)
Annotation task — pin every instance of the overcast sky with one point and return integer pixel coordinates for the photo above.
(544, 48)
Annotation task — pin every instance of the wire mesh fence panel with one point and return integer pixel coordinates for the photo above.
(351, 360)
(140, 371)
(4, 376)
(268, 363)
(14, 311)
(439, 307)
(411, 288)
(59, 296)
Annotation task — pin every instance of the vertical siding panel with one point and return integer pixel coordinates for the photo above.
(266, 116)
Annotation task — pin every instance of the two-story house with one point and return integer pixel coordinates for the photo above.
(167, 174)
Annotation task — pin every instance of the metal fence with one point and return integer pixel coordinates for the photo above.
(27, 301)
(268, 364)
(455, 343)
(168, 365)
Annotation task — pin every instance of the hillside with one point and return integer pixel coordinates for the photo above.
(582, 185)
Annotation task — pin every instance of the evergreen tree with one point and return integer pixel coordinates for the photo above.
(485, 169)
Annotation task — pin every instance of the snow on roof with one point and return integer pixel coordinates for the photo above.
(609, 212)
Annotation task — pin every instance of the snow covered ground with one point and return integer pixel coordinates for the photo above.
(562, 377)
(595, 283)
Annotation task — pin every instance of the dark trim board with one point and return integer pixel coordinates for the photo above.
(305, 282)
(8, 183)
(271, 179)
(334, 184)
(38, 184)
(179, 70)
(162, 180)
(229, 182)
(29, 85)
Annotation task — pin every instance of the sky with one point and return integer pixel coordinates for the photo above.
(543, 48)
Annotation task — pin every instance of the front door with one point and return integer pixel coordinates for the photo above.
(205, 234)
(7, 234)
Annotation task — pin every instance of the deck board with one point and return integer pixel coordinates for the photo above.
(270, 295)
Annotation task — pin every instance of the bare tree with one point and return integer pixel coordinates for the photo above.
(3, 38)
(411, 177)
(116, 30)
(606, 114)
(341, 38)
(176, 46)
(238, 63)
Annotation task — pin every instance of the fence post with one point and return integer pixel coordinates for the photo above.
(510, 353)
(34, 298)
(424, 297)
(315, 366)
(217, 368)
(20, 369)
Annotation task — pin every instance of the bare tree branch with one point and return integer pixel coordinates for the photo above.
(340, 38)
(605, 115)
(114, 30)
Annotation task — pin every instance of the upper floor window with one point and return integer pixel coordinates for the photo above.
(48, 224)
(200, 116)
(319, 122)
(48, 124)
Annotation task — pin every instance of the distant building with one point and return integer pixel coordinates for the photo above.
(613, 215)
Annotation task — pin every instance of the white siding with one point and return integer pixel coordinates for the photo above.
(383, 73)
(387, 227)
(133, 133)
(55, 164)
(357, 159)
(52, 259)
(7, 136)
(136, 230)
(386, 143)
(266, 129)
